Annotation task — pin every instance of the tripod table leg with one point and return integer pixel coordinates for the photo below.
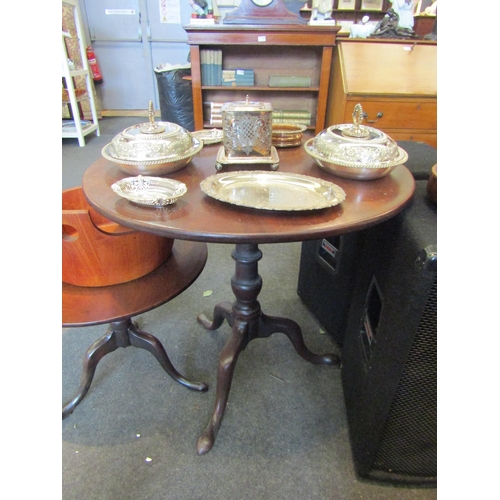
(94, 354)
(123, 334)
(274, 324)
(222, 311)
(225, 370)
(144, 340)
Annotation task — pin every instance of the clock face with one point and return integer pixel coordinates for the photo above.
(262, 12)
(262, 3)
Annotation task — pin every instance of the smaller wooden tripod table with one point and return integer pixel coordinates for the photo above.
(117, 304)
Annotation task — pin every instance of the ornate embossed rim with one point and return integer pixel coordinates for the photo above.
(403, 156)
(198, 145)
(207, 186)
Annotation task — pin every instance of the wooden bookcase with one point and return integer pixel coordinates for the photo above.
(271, 50)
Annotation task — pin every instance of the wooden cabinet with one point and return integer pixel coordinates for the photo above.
(274, 50)
(395, 83)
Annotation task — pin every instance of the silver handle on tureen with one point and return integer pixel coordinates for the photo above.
(357, 130)
(152, 128)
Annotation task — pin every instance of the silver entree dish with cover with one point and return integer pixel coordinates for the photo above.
(355, 151)
(154, 148)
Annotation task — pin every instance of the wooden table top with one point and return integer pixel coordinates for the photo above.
(198, 217)
(84, 306)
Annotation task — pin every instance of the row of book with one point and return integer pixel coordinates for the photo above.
(211, 66)
(238, 78)
(297, 116)
(212, 73)
(213, 111)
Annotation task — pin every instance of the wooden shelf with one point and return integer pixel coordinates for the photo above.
(254, 88)
(70, 97)
(270, 50)
(70, 130)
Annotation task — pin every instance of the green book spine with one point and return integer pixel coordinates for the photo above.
(219, 67)
(203, 67)
(211, 70)
(289, 81)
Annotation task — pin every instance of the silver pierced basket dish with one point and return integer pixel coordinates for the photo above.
(355, 151)
(150, 191)
(154, 148)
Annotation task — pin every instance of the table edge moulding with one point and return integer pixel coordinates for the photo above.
(274, 38)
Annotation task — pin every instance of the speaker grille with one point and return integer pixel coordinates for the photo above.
(408, 444)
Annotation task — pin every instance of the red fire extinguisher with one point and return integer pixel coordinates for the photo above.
(94, 67)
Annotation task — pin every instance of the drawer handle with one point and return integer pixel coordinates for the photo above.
(379, 115)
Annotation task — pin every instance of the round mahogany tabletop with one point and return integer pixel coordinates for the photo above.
(85, 306)
(198, 217)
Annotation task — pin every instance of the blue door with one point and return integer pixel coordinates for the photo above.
(130, 38)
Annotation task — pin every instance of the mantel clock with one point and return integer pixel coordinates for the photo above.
(262, 12)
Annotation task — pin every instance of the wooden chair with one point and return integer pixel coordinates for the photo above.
(94, 292)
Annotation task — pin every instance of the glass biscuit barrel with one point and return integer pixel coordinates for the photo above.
(247, 128)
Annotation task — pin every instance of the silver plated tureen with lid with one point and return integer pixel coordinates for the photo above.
(154, 148)
(355, 151)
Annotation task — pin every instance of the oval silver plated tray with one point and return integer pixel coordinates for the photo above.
(273, 190)
(150, 191)
(208, 136)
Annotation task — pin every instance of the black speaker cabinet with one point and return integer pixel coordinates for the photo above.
(421, 158)
(389, 356)
(327, 267)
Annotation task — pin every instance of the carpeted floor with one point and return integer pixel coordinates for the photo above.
(284, 434)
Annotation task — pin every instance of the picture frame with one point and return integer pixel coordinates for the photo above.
(345, 25)
(346, 5)
(421, 6)
(374, 5)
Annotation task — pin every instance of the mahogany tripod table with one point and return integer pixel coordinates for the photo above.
(117, 304)
(198, 217)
